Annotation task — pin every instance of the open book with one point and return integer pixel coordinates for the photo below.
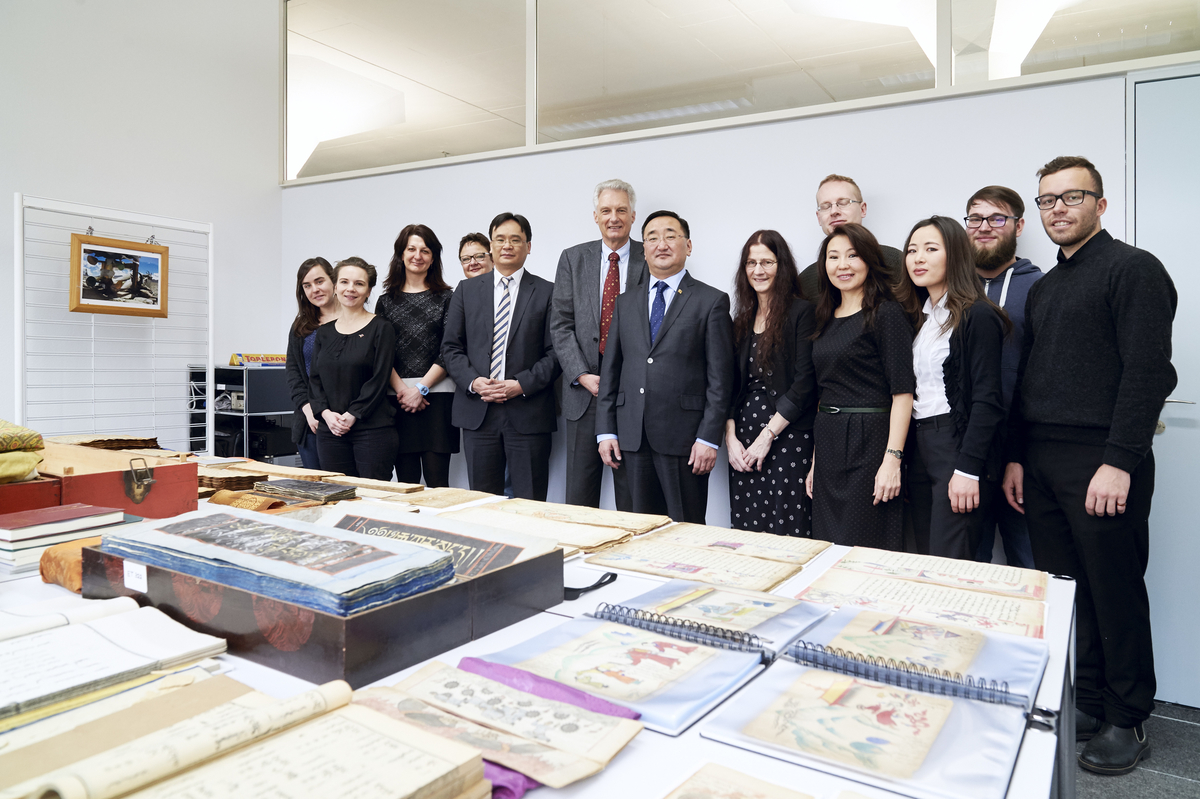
(312, 746)
(661, 655)
(37, 616)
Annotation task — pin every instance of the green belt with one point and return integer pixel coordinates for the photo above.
(836, 409)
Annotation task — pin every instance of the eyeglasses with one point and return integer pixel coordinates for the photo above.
(842, 203)
(1073, 197)
(479, 258)
(670, 238)
(516, 241)
(766, 263)
(994, 221)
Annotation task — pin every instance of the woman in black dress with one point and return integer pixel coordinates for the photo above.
(317, 305)
(769, 429)
(862, 354)
(959, 407)
(352, 361)
(415, 300)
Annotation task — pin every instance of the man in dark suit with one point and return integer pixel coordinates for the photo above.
(590, 277)
(666, 379)
(497, 349)
(839, 201)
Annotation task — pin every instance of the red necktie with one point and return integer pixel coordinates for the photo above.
(612, 287)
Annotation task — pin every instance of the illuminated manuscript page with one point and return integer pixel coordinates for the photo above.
(730, 608)
(621, 663)
(577, 730)
(705, 566)
(990, 577)
(927, 602)
(546, 765)
(783, 548)
(353, 751)
(861, 724)
(945, 648)
(714, 781)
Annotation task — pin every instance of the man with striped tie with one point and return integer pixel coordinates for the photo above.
(497, 348)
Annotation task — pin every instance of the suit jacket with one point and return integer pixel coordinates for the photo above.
(677, 389)
(297, 378)
(575, 316)
(789, 375)
(467, 352)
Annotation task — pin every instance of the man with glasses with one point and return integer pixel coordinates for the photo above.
(666, 380)
(839, 201)
(497, 349)
(1095, 371)
(995, 220)
(590, 277)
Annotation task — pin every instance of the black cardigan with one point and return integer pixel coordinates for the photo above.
(297, 377)
(789, 375)
(974, 393)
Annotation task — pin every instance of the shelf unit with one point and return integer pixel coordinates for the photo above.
(262, 428)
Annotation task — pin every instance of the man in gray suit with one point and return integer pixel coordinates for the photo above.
(666, 379)
(590, 277)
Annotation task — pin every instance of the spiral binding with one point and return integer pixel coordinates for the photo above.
(910, 676)
(693, 632)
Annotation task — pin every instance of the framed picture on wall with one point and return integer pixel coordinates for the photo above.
(118, 277)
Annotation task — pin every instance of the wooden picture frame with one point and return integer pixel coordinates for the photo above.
(112, 276)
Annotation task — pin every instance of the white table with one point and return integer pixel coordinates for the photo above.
(654, 764)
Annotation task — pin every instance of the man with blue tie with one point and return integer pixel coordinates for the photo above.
(666, 379)
(497, 349)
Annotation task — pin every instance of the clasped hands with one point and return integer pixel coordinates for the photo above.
(410, 399)
(490, 390)
(751, 458)
(338, 423)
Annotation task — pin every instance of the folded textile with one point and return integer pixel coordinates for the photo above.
(62, 564)
(322, 568)
(16, 466)
(14, 438)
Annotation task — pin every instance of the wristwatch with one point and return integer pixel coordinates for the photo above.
(424, 389)
(899, 453)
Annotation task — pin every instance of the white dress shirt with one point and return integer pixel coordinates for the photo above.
(931, 348)
(622, 266)
(668, 294)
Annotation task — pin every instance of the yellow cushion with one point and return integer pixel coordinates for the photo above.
(14, 438)
(16, 466)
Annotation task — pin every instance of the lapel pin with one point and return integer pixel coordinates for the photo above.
(679, 291)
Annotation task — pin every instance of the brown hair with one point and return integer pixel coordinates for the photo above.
(478, 238)
(963, 287)
(876, 290)
(1071, 162)
(840, 179)
(308, 316)
(433, 278)
(354, 260)
(784, 289)
(999, 195)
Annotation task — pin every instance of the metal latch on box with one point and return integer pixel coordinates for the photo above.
(138, 480)
(1040, 718)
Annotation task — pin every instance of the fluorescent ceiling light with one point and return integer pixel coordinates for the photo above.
(1015, 29)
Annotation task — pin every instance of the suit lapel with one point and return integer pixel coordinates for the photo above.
(481, 318)
(635, 276)
(642, 309)
(682, 295)
(523, 299)
(594, 292)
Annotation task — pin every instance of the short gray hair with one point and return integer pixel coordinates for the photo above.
(615, 185)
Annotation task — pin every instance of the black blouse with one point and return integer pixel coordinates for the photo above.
(419, 320)
(860, 368)
(350, 372)
(789, 375)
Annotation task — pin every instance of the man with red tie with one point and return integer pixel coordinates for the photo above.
(590, 277)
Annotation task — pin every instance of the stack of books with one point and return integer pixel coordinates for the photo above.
(26, 534)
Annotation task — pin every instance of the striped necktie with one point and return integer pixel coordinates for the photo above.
(501, 328)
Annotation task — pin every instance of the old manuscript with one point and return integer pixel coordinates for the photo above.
(635, 523)
(730, 608)
(714, 781)
(927, 602)
(703, 565)
(586, 537)
(990, 577)
(438, 498)
(885, 637)
(783, 548)
(861, 724)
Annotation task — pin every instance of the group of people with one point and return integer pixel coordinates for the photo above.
(948, 387)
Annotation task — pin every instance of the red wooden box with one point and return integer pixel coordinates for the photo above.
(115, 479)
(44, 492)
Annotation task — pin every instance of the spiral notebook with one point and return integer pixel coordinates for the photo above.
(927, 710)
(673, 653)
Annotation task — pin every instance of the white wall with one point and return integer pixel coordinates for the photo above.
(158, 106)
(911, 161)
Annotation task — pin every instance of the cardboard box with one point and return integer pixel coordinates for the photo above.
(112, 479)
(44, 492)
(319, 647)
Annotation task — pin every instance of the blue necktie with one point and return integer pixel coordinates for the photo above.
(657, 310)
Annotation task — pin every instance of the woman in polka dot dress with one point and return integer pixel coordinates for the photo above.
(769, 430)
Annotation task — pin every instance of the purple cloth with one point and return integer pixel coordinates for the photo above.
(509, 784)
(545, 688)
(506, 783)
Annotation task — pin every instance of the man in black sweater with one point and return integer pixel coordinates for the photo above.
(1095, 370)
